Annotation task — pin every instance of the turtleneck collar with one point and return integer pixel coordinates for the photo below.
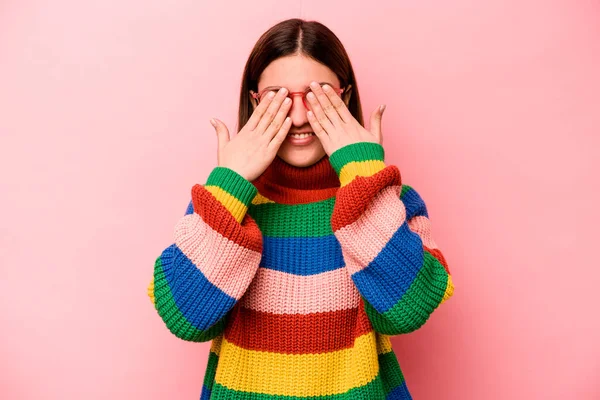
(288, 184)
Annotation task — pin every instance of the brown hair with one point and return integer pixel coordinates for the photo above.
(297, 36)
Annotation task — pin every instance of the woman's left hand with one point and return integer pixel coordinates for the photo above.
(333, 123)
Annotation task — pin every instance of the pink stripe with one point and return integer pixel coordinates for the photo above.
(422, 226)
(362, 240)
(283, 293)
(223, 262)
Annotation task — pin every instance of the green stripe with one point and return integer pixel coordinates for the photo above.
(233, 183)
(361, 151)
(173, 318)
(294, 220)
(211, 370)
(414, 308)
(405, 188)
(390, 371)
(371, 391)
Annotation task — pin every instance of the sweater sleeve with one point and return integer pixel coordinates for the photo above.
(385, 235)
(214, 257)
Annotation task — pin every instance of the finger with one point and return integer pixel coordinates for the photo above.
(318, 129)
(278, 139)
(319, 114)
(222, 133)
(222, 137)
(338, 104)
(325, 104)
(279, 119)
(375, 122)
(260, 110)
(271, 111)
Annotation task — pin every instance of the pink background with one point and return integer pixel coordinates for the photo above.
(493, 113)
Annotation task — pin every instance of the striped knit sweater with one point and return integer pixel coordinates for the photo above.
(300, 277)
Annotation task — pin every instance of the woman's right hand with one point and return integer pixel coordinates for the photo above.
(253, 149)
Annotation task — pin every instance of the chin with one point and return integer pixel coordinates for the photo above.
(301, 156)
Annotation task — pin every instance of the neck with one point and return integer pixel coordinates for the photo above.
(286, 183)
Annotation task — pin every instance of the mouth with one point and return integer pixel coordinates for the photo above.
(300, 138)
(300, 135)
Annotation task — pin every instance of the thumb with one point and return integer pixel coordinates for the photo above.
(375, 126)
(222, 132)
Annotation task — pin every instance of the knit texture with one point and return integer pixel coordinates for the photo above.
(300, 277)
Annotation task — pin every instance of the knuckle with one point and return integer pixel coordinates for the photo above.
(275, 125)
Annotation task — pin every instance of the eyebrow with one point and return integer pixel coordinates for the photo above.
(306, 87)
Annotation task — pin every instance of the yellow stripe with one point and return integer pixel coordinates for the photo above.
(215, 346)
(449, 290)
(260, 199)
(359, 168)
(151, 291)
(235, 207)
(384, 344)
(299, 375)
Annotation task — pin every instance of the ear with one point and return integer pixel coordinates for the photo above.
(347, 93)
(253, 100)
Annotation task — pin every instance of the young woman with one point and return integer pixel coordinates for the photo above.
(303, 252)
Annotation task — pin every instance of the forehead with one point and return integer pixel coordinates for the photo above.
(295, 73)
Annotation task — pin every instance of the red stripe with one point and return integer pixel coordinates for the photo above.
(439, 256)
(353, 199)
(218, 217)
(286, 195)
(296, 333)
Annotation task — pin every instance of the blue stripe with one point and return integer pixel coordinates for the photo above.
(389, 275)
(414, 204)
(302, 255)
(400, 392)
(205, 395)
(190, 208)
(200, 302)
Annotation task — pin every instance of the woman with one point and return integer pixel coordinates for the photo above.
(303, 252)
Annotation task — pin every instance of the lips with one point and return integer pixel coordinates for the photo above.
(300, 139)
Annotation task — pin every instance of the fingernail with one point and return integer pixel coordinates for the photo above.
(382, 108)
(213, 122)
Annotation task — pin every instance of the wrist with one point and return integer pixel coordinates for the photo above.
(357, 159)
(233, 190)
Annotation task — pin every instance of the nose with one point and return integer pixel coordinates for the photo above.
(297, 112)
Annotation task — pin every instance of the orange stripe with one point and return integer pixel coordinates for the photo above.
(296, 333)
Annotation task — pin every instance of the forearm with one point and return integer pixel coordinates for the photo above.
(385, 236)
(214, 257)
